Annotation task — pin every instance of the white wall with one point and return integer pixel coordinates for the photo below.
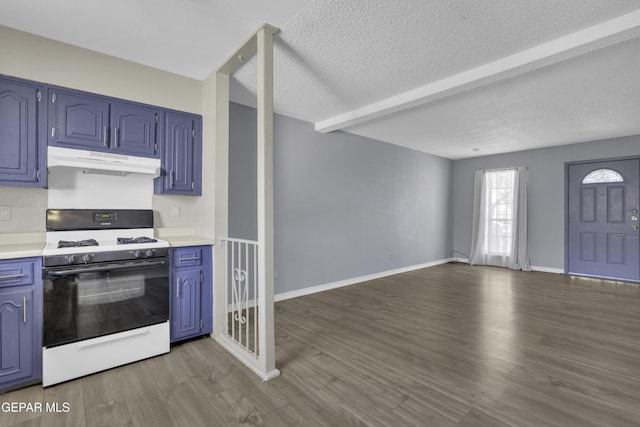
(36, 58)
(204, 207)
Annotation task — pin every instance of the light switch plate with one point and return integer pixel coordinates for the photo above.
(5, 213)
(175, 211)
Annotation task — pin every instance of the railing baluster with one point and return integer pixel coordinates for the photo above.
(246, 290)
(255, 300)
(226, 281)
(240, 293)
(233, 295)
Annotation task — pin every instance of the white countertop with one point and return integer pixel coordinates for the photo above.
(187, 240)
(178, 237)
(21, 245)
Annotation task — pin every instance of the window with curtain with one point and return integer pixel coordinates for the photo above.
(500, 219)
(499, 212)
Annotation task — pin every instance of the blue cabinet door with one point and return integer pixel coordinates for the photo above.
(17, 344)
(134, 129)
(182, 155)
(185, 307)
(78, 121)
(22, 158)
(192, 292)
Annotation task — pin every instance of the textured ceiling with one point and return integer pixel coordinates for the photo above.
(587, 98)
(342, 54)
(337, 57)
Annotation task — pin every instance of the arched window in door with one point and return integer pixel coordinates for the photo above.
(602, 176)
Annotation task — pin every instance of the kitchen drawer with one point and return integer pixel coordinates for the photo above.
(16, 272)
(187, 257)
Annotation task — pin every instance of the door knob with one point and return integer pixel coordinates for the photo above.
(634, 227)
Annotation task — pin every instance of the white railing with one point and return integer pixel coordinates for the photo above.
(241, 296)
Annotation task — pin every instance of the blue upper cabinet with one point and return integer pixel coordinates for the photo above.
(78, 121)
(181, 155)
(97, 123)
(22, 142)
(135, 129)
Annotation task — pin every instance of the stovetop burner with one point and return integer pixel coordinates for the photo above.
(77, 236)
(132, 240)
(77, 244)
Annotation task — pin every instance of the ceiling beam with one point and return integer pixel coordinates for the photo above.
(605, 34)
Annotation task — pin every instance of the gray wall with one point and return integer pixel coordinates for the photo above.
(243, 203)
(546, 192)
(345, 205)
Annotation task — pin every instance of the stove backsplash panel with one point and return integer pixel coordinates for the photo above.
(28, 205)
(75, 189)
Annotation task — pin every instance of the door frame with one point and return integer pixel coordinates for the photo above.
(566, 204)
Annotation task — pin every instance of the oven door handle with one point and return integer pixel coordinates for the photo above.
(104, 268)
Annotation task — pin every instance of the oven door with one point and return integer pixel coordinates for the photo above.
(88, 301)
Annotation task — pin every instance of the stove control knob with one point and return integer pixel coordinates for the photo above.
(148, 253)
(86, 258)
(136, 254)
(70, 259)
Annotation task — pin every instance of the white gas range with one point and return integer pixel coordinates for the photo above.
(106, 291)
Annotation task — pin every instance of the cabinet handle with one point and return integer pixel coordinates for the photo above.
(11, 276)
(111, 338)
(177, 287)
(115, 137)
(171, 179)
(24, 309)
(106, 141)
(193, 258)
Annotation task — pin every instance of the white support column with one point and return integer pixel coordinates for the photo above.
(266, 336)
(221, 201)
(262, 359)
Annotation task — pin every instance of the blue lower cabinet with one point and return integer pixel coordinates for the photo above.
(20, 322)
(191, 292)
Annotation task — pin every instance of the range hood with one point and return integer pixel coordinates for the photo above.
(101, 163)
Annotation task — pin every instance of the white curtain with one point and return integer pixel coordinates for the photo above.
(499, 235)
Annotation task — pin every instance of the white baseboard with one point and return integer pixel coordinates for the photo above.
(547, 269)
(533, 267)
(339, 284)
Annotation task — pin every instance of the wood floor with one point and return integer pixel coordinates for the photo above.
(451, 345)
